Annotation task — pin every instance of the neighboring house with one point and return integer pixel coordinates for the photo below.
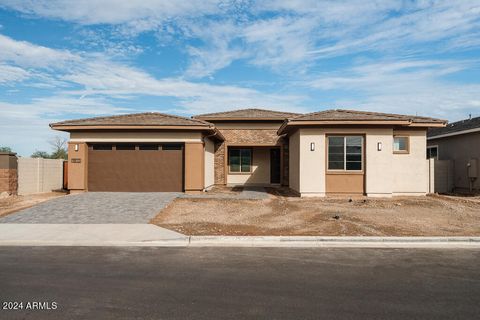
(328, 152)
(458, 142)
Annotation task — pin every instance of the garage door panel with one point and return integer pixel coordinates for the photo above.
(135, 171)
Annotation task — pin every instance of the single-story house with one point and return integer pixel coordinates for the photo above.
(458, 142)
(316, 154)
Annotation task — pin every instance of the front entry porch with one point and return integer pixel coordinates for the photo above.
(254, 165)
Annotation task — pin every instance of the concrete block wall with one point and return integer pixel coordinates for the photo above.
(8, 173)
(37, 175)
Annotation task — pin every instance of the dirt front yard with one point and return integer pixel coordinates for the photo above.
(285, 215)
(14, 203)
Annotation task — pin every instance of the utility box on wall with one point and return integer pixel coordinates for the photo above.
(472, 168)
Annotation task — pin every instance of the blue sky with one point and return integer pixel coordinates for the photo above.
(70, 59)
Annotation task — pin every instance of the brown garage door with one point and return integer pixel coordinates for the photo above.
(135, 168)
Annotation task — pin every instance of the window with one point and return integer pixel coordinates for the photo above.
(102, 147)
(240, 160)
(172, 147)
(432, 152)
(400, 144)
(125, 146)
(148, 147)
(345, 153)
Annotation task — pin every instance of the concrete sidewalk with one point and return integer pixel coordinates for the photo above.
(135, 235)
(89, 235)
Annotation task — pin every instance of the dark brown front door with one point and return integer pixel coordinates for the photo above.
(156, 170)
(275, 165)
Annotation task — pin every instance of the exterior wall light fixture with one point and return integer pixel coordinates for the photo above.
(312, 146)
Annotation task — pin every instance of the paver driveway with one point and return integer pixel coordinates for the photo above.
(96, 208)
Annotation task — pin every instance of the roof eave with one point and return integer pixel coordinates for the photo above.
(69, 128)
(428, 124)
(406, 123)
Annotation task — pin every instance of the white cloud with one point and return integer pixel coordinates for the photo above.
(113, 11)
(24, 126)
(10, 74)
(407, 86)
(97, 75)
(29, 55)
(281, 35)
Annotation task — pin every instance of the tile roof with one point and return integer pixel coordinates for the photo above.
(248, 114)
(353, 115)
(135, 119)
(456, 127)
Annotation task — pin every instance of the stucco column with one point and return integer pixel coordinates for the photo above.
(194, 166)
(77, 166)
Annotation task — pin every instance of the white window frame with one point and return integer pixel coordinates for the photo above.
(407, 144)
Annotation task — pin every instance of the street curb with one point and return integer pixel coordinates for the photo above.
(271, 242)
(346, 242)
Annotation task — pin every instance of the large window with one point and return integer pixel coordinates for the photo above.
(125, 146)
(400, 144)
(240, 160)
(103, 147)
(345, 153)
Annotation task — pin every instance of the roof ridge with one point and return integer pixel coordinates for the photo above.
(100, 117)
(389, 115)
(242, 109)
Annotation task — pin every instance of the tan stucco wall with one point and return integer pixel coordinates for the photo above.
(379, 178)
(312, 163)
(194, 166)
(293, 161)
(135, 136)
(209, 163)
(260, 170)
(410, 171)
(77, 171)
(386, 173)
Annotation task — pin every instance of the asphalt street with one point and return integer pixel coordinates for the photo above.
(238, 283)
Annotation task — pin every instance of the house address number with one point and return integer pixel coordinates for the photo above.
(76, 160)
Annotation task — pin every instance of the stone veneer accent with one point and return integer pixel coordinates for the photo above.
(8, 173)
(247, 137)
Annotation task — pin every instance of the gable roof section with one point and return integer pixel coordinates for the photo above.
(455, 128)
(349, 117)
(247, 114)
(138, 121)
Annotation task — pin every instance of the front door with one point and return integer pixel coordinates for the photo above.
(275, 165)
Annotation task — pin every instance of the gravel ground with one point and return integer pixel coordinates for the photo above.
(282, 214)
